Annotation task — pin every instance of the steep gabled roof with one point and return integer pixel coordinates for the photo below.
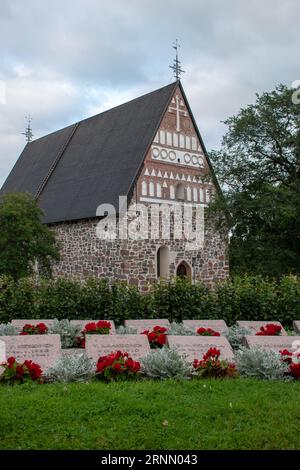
(92, 162)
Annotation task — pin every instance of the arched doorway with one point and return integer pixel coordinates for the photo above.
(184, 270)
(163, 260)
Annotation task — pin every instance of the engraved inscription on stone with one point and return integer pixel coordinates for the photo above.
(254, 326)
(277, 343)
(137, 346)
(216, 325)
(45, 350)
(193, 347)
(147, 323)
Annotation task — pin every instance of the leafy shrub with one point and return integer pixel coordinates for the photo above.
(165, 363)
(72, 368)
(126, 330)
(259, 363)
(178, 299)
(179, 329)
(16, 299)
(6, 329)
(288, 300)
(245, 297)
(235, 335)
(66, 330)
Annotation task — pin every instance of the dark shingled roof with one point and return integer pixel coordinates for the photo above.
(92, 162)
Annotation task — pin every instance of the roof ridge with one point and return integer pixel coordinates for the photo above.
(108, 110)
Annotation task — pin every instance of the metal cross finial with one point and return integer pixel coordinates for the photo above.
(176, 67)
(28, 131)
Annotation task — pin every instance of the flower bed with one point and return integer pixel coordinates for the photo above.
(157, 337)
(101, 327)
(269, 330)
(207, 332)
(212, 366)
(18, 373)
(293, 360)
(117, 367)
(39, 329)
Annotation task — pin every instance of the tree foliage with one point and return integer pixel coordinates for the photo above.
(258, 167)
(24, 239)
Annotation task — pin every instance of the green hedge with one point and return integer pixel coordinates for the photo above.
(247, 298)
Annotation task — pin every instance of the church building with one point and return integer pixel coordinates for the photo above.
(149, 150)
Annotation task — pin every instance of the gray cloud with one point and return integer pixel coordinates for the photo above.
(65, 60)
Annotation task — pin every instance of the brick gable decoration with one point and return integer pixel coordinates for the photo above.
(149, 150)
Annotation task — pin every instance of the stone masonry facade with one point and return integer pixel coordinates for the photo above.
(135, 261)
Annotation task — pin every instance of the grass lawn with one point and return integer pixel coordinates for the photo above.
(200, 414)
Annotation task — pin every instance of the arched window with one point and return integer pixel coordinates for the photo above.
(201, 193)
(179, 191)
(144, 188)
(195, 194)
(151, 189)
(188, 193)
(158, 190)
(184, 270)
(163, 260)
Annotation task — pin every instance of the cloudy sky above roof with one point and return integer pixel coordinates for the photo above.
(62, 61)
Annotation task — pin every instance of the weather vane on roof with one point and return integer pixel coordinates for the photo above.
(28, 131)
(176, 67)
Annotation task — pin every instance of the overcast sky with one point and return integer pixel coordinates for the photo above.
(64, 60)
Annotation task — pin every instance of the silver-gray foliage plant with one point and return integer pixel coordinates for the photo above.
(235, 335)
(66, 330)
(166, 363)
(7, 329)
(260, 363)
(126, 330)
(179, 329)
(72, 368)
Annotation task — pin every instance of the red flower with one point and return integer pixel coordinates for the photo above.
(161, 339)
(11, 360)
(39, 329)
(207, 332)
(212, 366)
(157, 337)
(289, 358)
(269, 330)
(15, 372)
(101, 327)
(117, 366)
(212, 353)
